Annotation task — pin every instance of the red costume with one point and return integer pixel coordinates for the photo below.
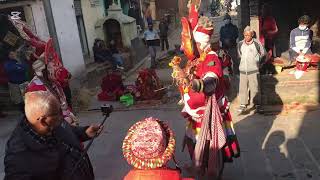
(58, 76)
(201, 81)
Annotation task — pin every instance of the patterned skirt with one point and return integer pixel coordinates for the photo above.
(193, 127)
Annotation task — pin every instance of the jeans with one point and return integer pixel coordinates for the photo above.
(164, 40)
(153, 55)
(149, 20)
(118, 60)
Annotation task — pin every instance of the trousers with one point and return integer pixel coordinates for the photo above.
(164, 40)
(250, 82)
(153, 55)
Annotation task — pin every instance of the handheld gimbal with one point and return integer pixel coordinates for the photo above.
(106, 111)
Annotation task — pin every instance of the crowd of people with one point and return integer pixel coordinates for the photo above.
(253, 57)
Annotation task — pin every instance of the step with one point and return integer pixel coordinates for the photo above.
(285, 89)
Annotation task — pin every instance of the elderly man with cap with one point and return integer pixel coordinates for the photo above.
(44, 146)
(229, 34)
(251, 52)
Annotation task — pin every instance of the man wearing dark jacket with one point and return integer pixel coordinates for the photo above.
(229, 34)
(163, 28)
(44, 146)
(17, 78)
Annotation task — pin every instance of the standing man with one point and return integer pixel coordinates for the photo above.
(229, 34)
(251, 52)
(151, 39)
(17, 77)
(164, 28)
(148, 14)
(301, 39)
(268, 31)
(44, 146)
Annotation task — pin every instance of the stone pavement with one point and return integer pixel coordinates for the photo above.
(272, 147)
(275, 147)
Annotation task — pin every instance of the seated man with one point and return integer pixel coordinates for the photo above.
(102, 54)
(301, 39)
(116, 55)
(44, 146)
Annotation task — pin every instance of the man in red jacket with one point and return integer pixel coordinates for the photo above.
(268, 31)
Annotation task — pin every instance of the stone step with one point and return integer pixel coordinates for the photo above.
(285, 89)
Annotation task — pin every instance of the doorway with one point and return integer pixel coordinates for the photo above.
(112, 30)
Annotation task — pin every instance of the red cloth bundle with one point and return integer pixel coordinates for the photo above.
(112, 87)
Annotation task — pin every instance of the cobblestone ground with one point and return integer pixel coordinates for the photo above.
(283, 147)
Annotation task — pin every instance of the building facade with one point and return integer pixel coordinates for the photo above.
(63, 19)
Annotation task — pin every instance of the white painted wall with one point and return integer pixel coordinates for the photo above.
(39, 20)
(68, 36)
(90, 16)
(35, 16)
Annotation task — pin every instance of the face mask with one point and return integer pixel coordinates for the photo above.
(302, 27)
(227, 21)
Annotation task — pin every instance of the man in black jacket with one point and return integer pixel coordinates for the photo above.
(44, 146)
(164, 28)
(229, 34)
